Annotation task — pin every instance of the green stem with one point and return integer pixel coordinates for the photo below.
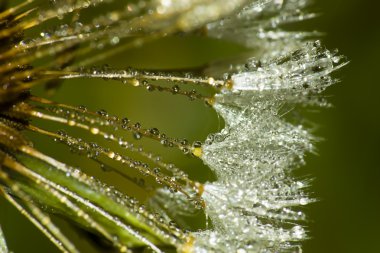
(3, 243)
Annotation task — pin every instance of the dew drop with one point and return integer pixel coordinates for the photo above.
(154, 131)
(125, 121)
(71, 122)
(150, 87)
(298, 232)
(303, 201)
(135, 82)
(211, 81)
(111, 155)
(192, 94)
(197, 144)
(336, 59)
(185, 151)
(137, 135)
(115, 40)
(175, 89)
(317, 68)
(102, 113)
(210, 101)
(94, 130)
(28, 78)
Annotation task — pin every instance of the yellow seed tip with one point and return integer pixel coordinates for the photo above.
(197, 152)
(188, 246)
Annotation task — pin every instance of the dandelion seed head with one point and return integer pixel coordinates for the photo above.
(255, 196)
(253, 205)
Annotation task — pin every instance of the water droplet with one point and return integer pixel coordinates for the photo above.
(298, 232)
(150, 87)
(175, 89)
(317, 69)
(137, 135)
(135, 82)
(192, 94)
(185, 151)
(197, 144)
(317, 43)
(154, 131)
(28, 78)
(94, 130)
(125, 121)
(111, 155)
(210, 101)
(62, 133)
(336, 59)
(172, 225)
(304, 201)
(102, 113)
(115, 40)
(198, 204)
(211, 81)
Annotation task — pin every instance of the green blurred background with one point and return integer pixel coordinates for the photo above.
(346, 170)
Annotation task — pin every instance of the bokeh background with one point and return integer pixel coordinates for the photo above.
(346, 170)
